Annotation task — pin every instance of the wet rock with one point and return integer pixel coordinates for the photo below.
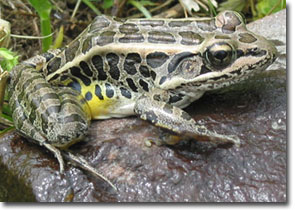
(255, 111)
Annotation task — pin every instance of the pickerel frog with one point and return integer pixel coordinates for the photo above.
(151, 68)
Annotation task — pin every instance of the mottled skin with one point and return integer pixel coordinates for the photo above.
(150, 68)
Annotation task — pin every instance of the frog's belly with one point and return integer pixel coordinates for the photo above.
(121, 110)
(109, 108)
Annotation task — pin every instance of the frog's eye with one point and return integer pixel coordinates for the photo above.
(220, 55)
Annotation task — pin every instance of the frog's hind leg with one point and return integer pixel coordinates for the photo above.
(54, 117)
(26, 128)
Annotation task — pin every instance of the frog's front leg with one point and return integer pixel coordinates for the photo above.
(52, 116)
(174, 119)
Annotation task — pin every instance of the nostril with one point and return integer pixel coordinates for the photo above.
(273, 49)
(274, 52)
(274, 56)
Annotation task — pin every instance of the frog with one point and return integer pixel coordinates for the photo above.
(151, 68)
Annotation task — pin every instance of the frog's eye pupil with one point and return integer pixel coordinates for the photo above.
(220, 55)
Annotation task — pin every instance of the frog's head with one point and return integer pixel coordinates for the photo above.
(227, 55)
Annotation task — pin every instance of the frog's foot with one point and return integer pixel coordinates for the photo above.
(218, 139)
(203, 134)
(164, 139)
(170, 139)
(58, 156)
(80, 161)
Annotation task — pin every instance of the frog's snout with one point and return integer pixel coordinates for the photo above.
(273, 51)
(270, 48)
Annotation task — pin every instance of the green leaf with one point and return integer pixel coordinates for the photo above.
(9, 59)
(91, 6)
(6, 130)
(140, 7)
(212, 8)
(6, 110)
(7, 117)
(237, 5)
(6, 54)
(266, 7)
(107, 4)
(59, 38)
(43, 8)
(147, 3)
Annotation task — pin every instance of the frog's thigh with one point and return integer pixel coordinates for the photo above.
(73, 117)
(176, 120)
(55, 113)
(24, 125)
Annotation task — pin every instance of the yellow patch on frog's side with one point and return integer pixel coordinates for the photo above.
(98, 104)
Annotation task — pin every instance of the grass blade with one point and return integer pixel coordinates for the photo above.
(43, 9)
(141, 8)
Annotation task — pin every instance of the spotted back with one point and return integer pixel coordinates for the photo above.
(137, 55)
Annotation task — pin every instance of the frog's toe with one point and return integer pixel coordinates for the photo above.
(57, 155)
(148, 142)
(219, 139)
(226, 139)
(163, 139)
(234, 139)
